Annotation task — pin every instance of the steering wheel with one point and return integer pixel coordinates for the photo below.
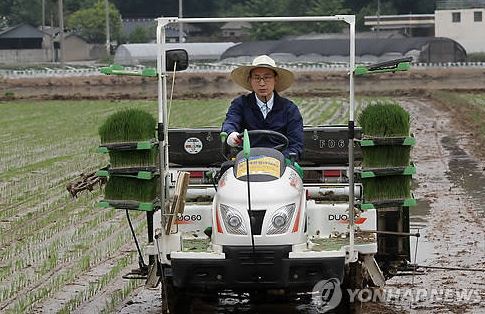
(283, 142)
(280, 138)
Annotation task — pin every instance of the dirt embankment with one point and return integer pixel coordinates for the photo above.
(210, 85)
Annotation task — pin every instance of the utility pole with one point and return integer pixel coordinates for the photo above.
(181, 27)
(43, 15)
(108, 40)
(378, 17)
(61, 32)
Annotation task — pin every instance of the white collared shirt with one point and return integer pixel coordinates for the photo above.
(262, 105)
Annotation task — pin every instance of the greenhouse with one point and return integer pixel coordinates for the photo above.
(422, 49)
(330, 50)
(133, 54)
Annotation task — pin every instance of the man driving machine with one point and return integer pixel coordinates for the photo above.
(264, 108)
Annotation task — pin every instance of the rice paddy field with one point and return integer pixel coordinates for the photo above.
(58, 254)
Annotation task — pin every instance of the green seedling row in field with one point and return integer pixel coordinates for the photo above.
(62, 254)
(96, 286)
(58, 143)
(117, 297)
(470, 106)
(98, 249)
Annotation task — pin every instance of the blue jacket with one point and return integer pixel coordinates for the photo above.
(284, 118)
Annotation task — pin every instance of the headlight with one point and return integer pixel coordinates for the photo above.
(233, 220)
(281, 219)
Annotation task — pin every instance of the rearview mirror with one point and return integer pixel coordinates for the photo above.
(177, 59)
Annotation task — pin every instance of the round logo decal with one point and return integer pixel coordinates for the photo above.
(326, 295)
(193, 145)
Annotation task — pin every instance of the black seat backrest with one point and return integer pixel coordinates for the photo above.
(201, 147)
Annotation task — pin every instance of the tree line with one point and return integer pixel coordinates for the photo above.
(87, 16)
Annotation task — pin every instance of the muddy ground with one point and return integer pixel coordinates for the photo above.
(449, 184)
(449, 180)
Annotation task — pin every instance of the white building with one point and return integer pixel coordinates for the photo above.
(463, 21)
(412, 25)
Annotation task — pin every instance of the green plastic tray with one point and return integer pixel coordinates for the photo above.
(408, 202)
(125, 146)
(132, 205)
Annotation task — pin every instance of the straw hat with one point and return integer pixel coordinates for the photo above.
(240, 75)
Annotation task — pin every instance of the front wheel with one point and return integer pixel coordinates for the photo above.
(175, 300)
(354, 279)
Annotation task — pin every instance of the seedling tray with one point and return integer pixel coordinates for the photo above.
(127, 204)
(390, 171)
(408, 202)
(123, 187)
(144, 173)
(385, 141)
(127, 146)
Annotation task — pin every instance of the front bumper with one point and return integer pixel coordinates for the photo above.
(269, 267)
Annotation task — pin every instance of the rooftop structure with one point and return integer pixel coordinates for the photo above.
(459, 4)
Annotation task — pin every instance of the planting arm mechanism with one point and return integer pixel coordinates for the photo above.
(115, 69)
(402, 64)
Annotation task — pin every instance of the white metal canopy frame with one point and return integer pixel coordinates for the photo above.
(162, 98)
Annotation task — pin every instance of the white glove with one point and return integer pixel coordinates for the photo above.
(234, 139)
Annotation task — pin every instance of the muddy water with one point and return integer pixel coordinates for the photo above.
(418, 220)
(232, 303)
(149, 302)
(447, 178)
(465, 173)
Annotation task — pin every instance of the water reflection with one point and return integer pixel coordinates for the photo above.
(465, 172)
(417, 223)
(231, 302)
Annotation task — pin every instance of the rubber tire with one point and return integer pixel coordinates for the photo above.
(354, 279)
(178, 300)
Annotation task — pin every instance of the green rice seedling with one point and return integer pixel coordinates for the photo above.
(129, 188)
(117, 297)
(141, 158)
(384, 119)
(128, 125)
(385, 156)
(387, 188)
(131, 125)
